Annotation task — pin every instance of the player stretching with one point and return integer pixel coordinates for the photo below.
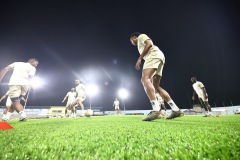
(8, 105)
(152, 69)
(116, 104)
(19, 83)
(200, 90)
(71, 96)
(81, 96)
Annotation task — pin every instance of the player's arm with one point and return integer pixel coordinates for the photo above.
(148, 45)
(64, 99)
(2, 98)
(4, 71)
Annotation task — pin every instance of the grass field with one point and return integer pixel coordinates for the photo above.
(123, 137)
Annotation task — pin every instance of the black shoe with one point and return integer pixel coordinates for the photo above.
(175, 114)
(151, 116)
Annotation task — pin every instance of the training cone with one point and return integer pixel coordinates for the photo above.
(5, 126)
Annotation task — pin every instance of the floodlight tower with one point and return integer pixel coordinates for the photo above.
(123, 94)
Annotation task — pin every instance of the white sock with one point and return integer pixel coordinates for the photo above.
(8, 115)
(22, 114)
(4, 116)
(173, 105)
(155, 105)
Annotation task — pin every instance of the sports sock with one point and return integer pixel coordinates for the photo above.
(8, 115)
(4, 116)
(155, 105)
(173, 105)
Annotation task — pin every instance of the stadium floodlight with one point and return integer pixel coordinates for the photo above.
(92, 90)
(37, 82)
(123, 94)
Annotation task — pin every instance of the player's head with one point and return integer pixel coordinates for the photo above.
(72, 89)
(134, 38)
(77, 81)
(116, 99)
(193, 79)
(33, 61)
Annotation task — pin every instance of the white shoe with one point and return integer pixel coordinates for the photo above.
(23, 118)
(4, 119)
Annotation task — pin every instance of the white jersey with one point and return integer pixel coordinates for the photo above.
(71, 96)
(21, 73)
(154, 51)
(81, 89)
(116, 103)
(197, 86)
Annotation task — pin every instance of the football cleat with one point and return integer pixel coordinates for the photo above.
(175, 114)
(151, 116)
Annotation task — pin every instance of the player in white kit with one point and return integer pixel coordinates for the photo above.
(81, 96)
(152, 74)
(116, 104)
(71, 96)
(200, 90)
(19, 83)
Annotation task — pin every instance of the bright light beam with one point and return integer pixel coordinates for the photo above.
(37, 82)
(123, 93)
(92, 90)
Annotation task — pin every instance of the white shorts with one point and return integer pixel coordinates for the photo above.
(17, 90)
(156, 63)
(116, 107)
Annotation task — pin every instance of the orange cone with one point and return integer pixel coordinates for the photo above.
(5, 125)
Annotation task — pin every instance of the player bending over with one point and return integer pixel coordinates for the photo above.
(152, 70)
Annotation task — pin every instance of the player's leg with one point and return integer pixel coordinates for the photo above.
(73, 108)
(6, 113)
(147, 75)
(164, 94)
(80, 102)
(204, 106)
(15, 92)
(208, 108)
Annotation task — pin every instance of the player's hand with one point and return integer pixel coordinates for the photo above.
(137, 66)
(193, 98)
(62, 101)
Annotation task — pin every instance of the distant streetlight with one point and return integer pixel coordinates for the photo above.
(92, 90)
(123, 94)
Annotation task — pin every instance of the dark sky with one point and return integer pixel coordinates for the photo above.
(89, 40)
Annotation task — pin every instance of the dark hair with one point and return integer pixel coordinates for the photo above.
(32, 59)
(135, 34)
(193, 77)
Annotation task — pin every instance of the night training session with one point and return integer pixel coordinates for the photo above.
(120, 80)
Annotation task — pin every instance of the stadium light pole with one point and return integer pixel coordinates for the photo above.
(123, 94)
(92, 90)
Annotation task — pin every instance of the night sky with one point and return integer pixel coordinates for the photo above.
(89, 40)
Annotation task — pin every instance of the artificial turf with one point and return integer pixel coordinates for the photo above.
(123, 137)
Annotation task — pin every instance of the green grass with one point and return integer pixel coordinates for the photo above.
(123, 137)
